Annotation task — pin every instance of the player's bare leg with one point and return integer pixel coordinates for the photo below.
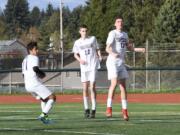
(110, 97)
(122, 86)
(85, 99)
(93, 99)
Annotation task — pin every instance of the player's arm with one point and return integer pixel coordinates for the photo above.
(99, 54)
(39, 72)
(109, 50)
(131, 48)
(77, 57)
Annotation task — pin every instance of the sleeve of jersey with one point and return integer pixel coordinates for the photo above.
(35, 61)
(110, 38)
(75, 48)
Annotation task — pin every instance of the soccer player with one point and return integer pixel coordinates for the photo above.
(86, 51)
(116, 45)
(32, 75)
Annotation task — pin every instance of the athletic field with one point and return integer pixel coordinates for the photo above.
(145, 119)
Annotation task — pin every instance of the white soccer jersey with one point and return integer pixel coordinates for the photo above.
(86, 48)
(30, 78)
(118, 41)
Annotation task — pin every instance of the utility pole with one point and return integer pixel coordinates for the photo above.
(147, 62)
(61, 43)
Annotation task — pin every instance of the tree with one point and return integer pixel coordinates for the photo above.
(75, 21)
(49, 10)
(32, 35)
(35, 17)
(94, 17)
(167, 32)
(167, 22)
(2, 30)
(138, 16)
(17, 17)
(144, 14)
(47, 28)
(2, 26)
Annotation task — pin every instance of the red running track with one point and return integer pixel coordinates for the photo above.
(101, 98)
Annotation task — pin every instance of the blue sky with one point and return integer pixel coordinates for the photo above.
(42, 4)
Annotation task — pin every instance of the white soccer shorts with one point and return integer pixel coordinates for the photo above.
(88, 76)
(115, 71)
(40, 90)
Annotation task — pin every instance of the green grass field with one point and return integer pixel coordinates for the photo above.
(145, 119)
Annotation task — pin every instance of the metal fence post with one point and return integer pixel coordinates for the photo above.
(134, 72)
(147, 49)
(159, 79)
(10, 83)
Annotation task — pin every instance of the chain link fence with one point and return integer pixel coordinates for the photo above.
(154, 71)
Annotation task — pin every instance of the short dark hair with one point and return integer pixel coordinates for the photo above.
(31, 45)
(118, 17)
(83, 26)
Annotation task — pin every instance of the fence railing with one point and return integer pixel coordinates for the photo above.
(149, 79)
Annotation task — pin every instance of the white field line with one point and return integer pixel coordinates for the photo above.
(57, 117)
(98, 112)
(16, 118)
(77, 132)
(57, 131)
(6, 111)
(156, 113)
(158, 120)
(18, 107)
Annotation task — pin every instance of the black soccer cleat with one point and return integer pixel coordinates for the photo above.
(87, 113)
(93, 114)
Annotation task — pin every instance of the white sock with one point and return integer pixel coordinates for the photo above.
(85, 99)
(93, 104)
(124, 103)
(48, 106)
(43, 104)
(109, 102)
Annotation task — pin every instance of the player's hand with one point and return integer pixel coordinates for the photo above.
(83, 62)
(115, 55)
(100, 59)
(143, 50)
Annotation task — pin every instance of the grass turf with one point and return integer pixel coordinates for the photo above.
(68, 119)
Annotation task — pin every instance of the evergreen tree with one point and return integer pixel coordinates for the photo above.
(47, 28)
(167, 31)
(49, 10)
(75, 21)
(2, 25)
(167, 23)
(17, 17)
(144, 14)
(35, 17)
(2, 30)
(44, 40)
